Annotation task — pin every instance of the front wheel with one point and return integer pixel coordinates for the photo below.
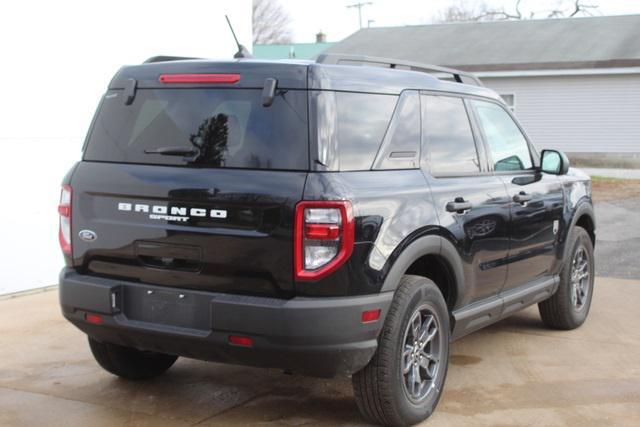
(403, 382)
(569, 306)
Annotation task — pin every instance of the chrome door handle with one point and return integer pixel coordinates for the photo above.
(459, 205)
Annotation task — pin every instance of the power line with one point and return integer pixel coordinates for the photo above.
(360, 5)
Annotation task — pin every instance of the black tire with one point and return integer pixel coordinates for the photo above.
(561, 311)
(128, 362)
(381, 389)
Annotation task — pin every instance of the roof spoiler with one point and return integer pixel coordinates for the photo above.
(340, 59)
(165, 58)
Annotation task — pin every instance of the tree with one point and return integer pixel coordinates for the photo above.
(464, 12)
(271, 23)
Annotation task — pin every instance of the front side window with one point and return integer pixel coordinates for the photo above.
(448, 136)
(507, 145)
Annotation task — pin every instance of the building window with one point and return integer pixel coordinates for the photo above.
(510, 100)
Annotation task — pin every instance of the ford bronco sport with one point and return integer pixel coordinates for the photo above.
(349, 216)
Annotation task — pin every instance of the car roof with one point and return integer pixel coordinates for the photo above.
(298, 74)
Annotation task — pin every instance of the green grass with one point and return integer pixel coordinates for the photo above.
(609, 179)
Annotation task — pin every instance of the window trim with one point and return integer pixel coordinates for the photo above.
(391, 127)
(426, 148)
(511, 107)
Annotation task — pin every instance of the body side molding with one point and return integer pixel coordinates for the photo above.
(483, 313)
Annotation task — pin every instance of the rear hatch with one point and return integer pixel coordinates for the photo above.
(192, 184)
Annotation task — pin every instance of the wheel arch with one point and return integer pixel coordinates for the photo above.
(434, 257)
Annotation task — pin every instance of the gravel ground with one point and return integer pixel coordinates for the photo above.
(617, 205)
(618, 238)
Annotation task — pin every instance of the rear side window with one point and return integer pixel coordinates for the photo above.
(204, 127)
(451, 149)
(350, 128)
(508, 148)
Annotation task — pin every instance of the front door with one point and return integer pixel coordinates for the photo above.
(535, 198)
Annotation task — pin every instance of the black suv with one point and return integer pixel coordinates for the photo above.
(349, 216)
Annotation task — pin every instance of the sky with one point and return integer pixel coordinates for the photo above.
(338, 22)
(57, 60)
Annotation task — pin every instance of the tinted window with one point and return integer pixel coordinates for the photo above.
(222, 128)
(507, 146)
(362, 120)
(449, 139)
(401, 146)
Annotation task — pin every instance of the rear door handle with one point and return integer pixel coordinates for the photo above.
(459, 205)
(522, 198)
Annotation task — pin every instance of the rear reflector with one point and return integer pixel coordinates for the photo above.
(96, 319)
(240, 340)
(370, 315)
(64, 210)
(322, 231)
(199, 78)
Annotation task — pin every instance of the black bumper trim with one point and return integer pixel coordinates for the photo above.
(314, 336)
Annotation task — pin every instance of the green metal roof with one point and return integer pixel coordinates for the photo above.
(287, 51)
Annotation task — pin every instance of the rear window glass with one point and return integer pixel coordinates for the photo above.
(202, 128)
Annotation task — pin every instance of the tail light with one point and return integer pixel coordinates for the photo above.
(323, 239)
(64, 209)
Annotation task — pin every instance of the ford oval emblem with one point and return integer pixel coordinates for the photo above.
(87, 235)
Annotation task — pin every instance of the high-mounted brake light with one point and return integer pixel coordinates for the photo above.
(64, 209)
(323, 238)
(199, 78)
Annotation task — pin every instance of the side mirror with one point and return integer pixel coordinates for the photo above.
(554, 162)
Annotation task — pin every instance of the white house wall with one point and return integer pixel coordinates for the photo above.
(577, 114)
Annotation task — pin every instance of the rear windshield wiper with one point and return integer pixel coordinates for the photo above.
(172, 151)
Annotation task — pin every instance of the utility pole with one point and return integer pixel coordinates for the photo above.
(360, 5)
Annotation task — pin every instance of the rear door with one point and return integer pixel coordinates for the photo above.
(193, 188)
(472, 204)
(535, 198)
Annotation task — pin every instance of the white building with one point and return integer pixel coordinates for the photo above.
(57, 60)
(573, 83)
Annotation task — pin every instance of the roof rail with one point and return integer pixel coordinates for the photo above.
(335, 59)
(164, 58)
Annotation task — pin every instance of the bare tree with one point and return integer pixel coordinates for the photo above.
(479, 11)
(271, 23)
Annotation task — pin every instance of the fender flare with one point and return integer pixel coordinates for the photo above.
(426, 245)
(583, 208)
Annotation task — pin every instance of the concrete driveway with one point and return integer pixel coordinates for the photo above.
(514, 373)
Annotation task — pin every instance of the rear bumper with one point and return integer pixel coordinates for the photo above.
(313, 336)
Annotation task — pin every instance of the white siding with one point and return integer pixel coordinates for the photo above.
(579, 114)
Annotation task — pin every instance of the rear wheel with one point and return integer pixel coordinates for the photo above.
(129, 363)
(403, 382)
(569, 306)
